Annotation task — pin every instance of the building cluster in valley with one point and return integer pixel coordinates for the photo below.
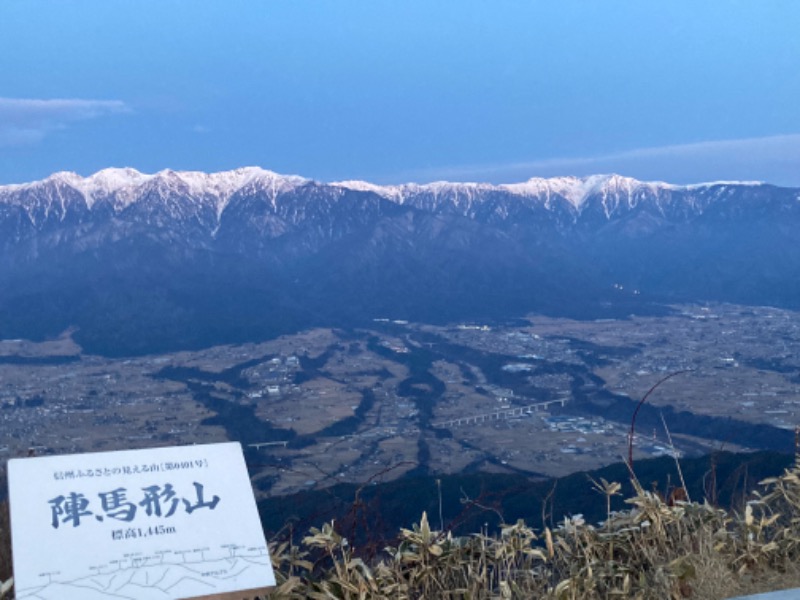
(325, 405)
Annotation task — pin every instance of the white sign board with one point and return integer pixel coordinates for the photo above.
(156, 524)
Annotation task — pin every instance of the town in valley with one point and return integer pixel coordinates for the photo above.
(540, 396)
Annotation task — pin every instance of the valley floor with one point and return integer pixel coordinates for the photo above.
(540, 397)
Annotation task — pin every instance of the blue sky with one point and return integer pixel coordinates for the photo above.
(681, 91)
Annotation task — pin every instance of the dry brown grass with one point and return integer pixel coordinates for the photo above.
(654, 550)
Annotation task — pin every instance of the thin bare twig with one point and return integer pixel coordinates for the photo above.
(632, 431)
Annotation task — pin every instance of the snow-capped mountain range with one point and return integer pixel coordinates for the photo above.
(120, 188)
(148, 261)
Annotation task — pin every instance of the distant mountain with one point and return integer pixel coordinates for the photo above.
(143, 263)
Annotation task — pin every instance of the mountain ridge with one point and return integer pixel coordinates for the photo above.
(124, 186)
(144, 262)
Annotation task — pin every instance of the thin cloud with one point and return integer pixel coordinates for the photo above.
(25, 121)
(775, 159)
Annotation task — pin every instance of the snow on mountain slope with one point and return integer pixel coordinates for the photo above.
(575, 190)
(188, 194)
(122, 187)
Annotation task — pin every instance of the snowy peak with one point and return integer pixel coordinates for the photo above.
(390, 192)
(122, 187)
(111, 180)
(575, 190)
(103, 182)
(226, 183)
